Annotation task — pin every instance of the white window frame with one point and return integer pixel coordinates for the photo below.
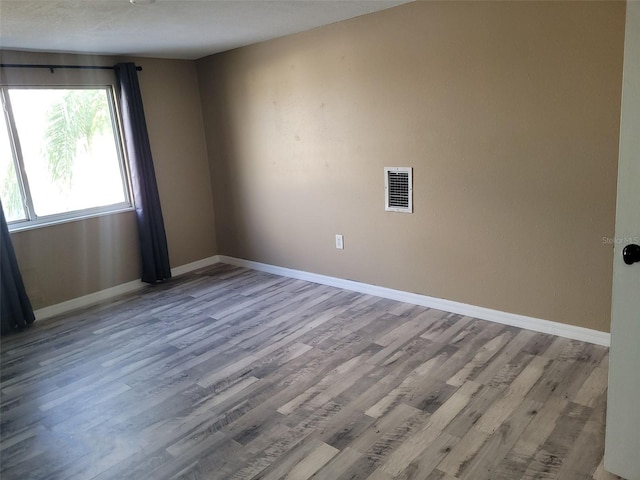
(32, 219)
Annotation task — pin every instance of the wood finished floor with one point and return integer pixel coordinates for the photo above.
(229, 373)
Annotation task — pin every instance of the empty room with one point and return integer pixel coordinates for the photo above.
(349, 239)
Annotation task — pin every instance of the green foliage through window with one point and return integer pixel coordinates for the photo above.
(72, 122)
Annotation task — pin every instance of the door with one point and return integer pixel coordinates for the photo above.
(622, 445)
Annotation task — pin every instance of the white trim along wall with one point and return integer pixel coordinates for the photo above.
(521, 321)
(109, 293)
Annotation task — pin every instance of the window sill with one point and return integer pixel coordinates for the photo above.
(48, 222)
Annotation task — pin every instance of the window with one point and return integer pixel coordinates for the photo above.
(60, 155)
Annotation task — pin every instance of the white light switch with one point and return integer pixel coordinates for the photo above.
(339, 242)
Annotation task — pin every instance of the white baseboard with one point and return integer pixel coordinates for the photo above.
(193, 266)
(521, 321)
(109, 293)
(87, 300)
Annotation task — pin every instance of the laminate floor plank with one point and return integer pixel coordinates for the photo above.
(227, 373)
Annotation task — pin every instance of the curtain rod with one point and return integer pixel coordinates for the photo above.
(53, 67)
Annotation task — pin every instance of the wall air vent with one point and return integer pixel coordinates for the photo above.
(398, 189)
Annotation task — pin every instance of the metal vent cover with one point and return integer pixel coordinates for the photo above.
(398, 189)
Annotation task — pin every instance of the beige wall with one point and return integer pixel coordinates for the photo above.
(73, 259)
(508, 113)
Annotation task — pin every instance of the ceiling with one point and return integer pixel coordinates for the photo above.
(187, 29)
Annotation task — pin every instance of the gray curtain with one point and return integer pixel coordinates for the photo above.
(15, 308)
(153, 241)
